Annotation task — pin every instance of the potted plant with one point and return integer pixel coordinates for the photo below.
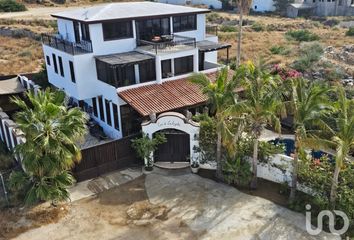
(144, 147)
(195, 166)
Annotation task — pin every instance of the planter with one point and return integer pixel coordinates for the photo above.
(195, 169)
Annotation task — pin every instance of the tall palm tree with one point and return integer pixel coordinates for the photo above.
(50, 151)
(221, 94)
(262, 105)
(244, 8)
(339, 131)
(308, 102)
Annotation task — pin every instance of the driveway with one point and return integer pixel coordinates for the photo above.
(174, 205)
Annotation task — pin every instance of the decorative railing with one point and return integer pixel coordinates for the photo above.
(167, 43)
(66, 46)
(212, 30)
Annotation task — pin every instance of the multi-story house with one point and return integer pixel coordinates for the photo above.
(122, 62)
(321, 8)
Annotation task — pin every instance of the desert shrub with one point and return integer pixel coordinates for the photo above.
(6, 158)
(228, 28)
(226, 36)
(258, 27)
(279, 50)
(301, 35)
(11, 6)
(310, 54)
(41, 77)
(350, 32)
(212, 17)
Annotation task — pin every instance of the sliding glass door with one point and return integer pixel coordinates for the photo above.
(149, 28)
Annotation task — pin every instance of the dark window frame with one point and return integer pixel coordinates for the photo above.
(185, 23)
(55, 63)
(85, 31)
(183, 65)
(108, 112)
(115, 116)
(48, 60)
(101, 108)
(115, 27)
(61, 67)
(94, 106)
(72, 71)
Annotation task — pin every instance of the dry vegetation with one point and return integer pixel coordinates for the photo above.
(19, 55)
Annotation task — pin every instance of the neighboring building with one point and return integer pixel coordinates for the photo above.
(122, 62)
(212, 4)
(263, 5)
(321, 8)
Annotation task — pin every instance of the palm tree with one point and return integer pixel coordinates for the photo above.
(50, 151)
(244, 8)
(340, 132)
(308, 102)
(262, 106)
(221, 94)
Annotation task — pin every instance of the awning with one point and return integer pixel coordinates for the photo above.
(208, 46)
(168, 96)
(302, 6)
(11, 86)
(126, 58)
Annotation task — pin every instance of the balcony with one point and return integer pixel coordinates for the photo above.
(69, 47)
(166, 44)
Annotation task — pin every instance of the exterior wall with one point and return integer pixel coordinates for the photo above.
(66, 29)
(326, 8)
(101, 47)
(263, 5)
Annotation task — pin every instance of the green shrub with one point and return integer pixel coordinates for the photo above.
(258, 27)
(212, 17)
(11, 6)
(350, 32)
(301, 35)
(310, 54)
(279, 50)
(227, 28)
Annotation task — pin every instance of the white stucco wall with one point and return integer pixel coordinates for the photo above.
(263, 5)
(216, 4)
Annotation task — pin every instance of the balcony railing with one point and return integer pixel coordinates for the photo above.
(167, 43)
(66, 46)
(212, 30)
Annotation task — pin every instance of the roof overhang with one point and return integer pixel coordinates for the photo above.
(124, 59)
(209, 46)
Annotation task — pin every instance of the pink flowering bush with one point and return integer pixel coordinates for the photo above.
(285, 73)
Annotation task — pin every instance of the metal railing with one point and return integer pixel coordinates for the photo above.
(212, 30)
(167, 44)
(69, 47)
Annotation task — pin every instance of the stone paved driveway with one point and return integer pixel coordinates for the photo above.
(218, 211)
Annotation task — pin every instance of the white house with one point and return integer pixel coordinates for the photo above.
(122, 62)
(213, 4)
(263, 5)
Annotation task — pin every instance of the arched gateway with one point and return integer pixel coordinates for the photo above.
(182, 137)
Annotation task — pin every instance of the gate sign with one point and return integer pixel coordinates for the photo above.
(173, 120)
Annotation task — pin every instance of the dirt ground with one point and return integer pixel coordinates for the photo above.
(123, 212)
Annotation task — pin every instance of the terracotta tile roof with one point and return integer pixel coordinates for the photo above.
(163, 97)
(169, 95)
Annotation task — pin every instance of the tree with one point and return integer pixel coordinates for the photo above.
(50, 151)
(340, 134)
(262, 106)
(307, 103)
(244, 8)
(221, 94)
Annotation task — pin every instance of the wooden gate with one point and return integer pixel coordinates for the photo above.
(175, 149)
(105, 158)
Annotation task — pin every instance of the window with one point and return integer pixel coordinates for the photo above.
(100, 105)
(94, 106)
(118, 77)
(147, 71)
(105, 73)
(115, 116)
(61, 66)
(183, 65)
(108, 112)
(72, 72)
(147, 29)
(55, 63)
(125, 76)
(166, 68)
(184, 23)
(117, 30)
(48, 60)
(85, 32)
(76, 31)
(130, 119)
